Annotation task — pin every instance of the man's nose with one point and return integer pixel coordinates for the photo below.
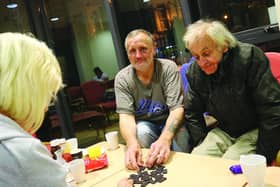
(138, 53)
(202, 60)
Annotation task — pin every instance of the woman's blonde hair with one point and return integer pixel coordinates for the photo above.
(30, 77)
(214, 29)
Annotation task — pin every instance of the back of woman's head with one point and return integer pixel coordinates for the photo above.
(30, 77)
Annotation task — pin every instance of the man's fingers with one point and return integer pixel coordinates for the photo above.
(160, 159)
(132, 165)
(131, 161)
(151, 160)
(139, 159)
(166, 156)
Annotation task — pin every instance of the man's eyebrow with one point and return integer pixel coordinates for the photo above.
(204, 48)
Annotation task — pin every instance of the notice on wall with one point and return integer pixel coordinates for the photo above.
(277, 4)
(272, 15)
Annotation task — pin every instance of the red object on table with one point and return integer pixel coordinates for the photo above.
(95, 164)
(67, 157)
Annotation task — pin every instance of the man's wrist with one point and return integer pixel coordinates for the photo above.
(132, 142)
(166, 138)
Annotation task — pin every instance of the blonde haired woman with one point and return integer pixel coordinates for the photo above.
(30, 77)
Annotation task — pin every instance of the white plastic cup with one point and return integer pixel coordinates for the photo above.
(73, 143)
(77, 169)
(254, 168)
(112, 139)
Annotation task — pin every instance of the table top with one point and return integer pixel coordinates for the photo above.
(182, 170)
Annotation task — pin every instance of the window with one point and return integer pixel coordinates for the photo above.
(252, 21)
(239, 15)
(14, 18)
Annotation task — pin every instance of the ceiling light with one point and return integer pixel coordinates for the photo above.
(145, 1)
(53, 19)
(12, 5)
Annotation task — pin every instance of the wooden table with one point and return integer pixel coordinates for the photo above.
(184, 170)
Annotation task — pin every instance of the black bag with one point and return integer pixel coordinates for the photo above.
(109, 96)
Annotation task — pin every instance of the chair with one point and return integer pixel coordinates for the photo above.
(75, 92)
(274, 59)
(75, 98)
(109, 90)
(92, 118)
(93, 93)
(80, 116)
(110, 84)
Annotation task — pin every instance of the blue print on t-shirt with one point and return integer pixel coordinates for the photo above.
(150, 108)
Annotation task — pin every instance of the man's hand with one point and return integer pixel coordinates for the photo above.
(159, 152)
(133, 157)
(160, 149)
(125, 182)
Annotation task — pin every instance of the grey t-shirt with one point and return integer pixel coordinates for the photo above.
(149, 102)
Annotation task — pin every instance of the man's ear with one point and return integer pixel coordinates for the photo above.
(225, 49)
(155, 49)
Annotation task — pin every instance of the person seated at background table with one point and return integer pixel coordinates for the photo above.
(30, 77)
(183, 70)
(233, 82)
(150, 103)
(100, 76)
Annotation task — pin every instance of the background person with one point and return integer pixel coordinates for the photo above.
(30, 77)
(233, 82)
(150, 103)
(183, 70)
(100, 76)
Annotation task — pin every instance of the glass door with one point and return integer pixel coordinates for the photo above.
(163, 18)
(14, 17)
(82, 38)
(239, 15)
(252, 21)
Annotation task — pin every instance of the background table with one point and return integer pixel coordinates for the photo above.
(184, 170)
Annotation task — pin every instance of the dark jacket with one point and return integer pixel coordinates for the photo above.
(242, 95)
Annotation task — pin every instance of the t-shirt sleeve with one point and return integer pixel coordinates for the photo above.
(124, 98)
(172, 87)
(105, 76)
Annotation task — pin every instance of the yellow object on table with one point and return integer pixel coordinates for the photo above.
(94, 152)
(67, 147)
(278, 159)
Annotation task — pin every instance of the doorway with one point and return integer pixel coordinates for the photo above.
(163, 18)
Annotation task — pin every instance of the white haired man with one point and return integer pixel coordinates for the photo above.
(233, 82)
